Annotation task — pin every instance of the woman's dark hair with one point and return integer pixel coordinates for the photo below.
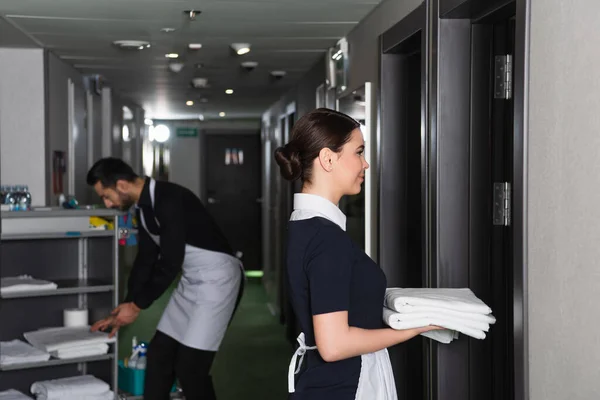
(316, 130)
(110, 170)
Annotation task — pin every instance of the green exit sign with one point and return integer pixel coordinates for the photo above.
(187, 132)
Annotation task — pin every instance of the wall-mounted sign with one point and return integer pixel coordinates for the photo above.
(186, 132)
(234, 157)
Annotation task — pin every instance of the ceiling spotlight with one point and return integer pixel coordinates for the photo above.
(191, 14)
(167, 30)
(278, 74)
(176, 66)
(199, 65)
(249, 65)
(229, 91)
(195, 46)
(199, 82)
(131, 44)
(201, 117)
(189, 103)
(222, 114)
(172, 55)
(241, 48)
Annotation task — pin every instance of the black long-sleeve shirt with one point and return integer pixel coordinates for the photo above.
(182, 219)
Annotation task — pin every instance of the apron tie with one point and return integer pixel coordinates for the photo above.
(300, 351)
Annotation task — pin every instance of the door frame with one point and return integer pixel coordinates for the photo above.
(446, 47)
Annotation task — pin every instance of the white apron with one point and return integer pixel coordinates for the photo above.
(376, 381)
(200, 309)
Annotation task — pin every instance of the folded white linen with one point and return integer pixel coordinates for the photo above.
(12, 394)
(109, 395)
(489, 318)
(444, 336)
(73, 387)
(53, 339)
(464, 300)
(18, 352)
(24, 283)
(391, 318)
(482, 326)
(81, 351)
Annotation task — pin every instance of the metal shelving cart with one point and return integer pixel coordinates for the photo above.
(58, 245)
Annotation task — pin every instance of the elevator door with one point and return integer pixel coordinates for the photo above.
(491, 361)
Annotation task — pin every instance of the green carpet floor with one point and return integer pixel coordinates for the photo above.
(252, 363)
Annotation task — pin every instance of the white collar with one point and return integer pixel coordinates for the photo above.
(309, 206)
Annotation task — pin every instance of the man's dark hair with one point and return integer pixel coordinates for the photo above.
(110, 170)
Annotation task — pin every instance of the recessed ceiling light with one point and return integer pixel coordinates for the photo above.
(229, 91)
(241, 48)
(172, 55)
(221, 114)
(132, 44)
(189, 103)
(199, 65)
(167, 30)
(195, 46)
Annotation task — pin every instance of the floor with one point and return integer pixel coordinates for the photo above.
(253, 360)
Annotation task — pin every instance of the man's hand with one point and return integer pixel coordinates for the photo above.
(124, 314)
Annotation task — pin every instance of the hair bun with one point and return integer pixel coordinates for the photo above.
(289, 163)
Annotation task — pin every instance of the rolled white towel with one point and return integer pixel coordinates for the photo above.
(400, 299)
(76, 386)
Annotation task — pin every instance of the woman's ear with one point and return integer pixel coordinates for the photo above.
(326, 159)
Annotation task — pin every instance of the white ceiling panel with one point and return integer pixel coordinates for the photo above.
(289, 35)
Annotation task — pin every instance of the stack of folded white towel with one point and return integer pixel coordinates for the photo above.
(24, 283)
(12, 394)
(18, 352)
(70, 342)
(85, 387)
(457, 310)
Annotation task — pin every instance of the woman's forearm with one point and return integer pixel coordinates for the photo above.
(356, 341)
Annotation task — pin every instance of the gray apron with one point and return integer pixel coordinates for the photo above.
(201, 307)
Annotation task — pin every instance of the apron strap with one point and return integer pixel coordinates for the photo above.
(300, 351)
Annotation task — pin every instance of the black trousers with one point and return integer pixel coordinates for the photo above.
(169, 360)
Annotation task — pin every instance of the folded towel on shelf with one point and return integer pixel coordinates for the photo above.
(104, 396)
(12, 394)
(81, 351)
(53, 339)
(24, 283)
(393, 320)
(76, 387)
(19, 352)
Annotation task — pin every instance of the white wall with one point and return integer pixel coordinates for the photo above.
(22, 120)
(564, 200)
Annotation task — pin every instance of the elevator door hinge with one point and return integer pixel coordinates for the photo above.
(503, 76)
(502, 204)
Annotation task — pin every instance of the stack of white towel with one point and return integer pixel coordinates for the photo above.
(12, 394)
(85, 387)
(18, 352)
(24, 283)
(70, 342)
(457, 310)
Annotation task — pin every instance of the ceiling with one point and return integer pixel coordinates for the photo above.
(288, 35)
